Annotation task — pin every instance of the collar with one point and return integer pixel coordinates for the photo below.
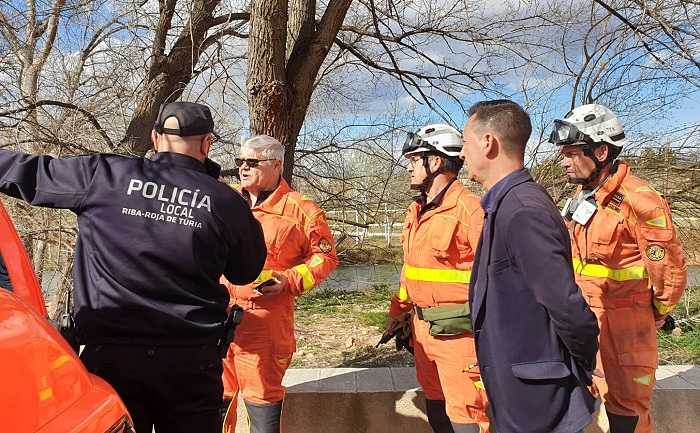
(272, 201)
(445, 200)
(610, 185)
(435, 202)
(261, 198)
(490, 200)
(180, 160)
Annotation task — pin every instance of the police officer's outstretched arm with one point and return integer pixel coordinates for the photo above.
(542, 252)
(47, 181)
(248, 252)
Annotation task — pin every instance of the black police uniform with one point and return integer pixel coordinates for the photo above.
(154, 238)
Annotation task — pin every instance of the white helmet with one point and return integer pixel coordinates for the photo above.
(589, 124)
(439, 138)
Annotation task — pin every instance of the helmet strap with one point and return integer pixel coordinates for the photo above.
(424, 187)
(599, 166)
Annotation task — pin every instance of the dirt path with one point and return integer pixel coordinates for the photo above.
(340, 329)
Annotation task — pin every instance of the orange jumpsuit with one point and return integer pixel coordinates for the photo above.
(438, 249)
(299, 245)
(631, 269)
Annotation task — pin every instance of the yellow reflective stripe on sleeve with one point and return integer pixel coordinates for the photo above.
(265, 275)
(643, 380)
(46, 394)
(661, 308)
(479, 385)
(600, 271)
(306, 276)
(402, 294)
(315, 261)
(436, 275)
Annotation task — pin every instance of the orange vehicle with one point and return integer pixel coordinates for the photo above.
(45, 388)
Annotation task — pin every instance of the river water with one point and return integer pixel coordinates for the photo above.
(360, 277)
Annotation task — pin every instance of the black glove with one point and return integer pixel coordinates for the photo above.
(402, 333)
(669, 324)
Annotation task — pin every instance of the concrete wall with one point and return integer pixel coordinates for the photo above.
(389, 400)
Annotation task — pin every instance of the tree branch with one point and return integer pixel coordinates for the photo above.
(228, 18)
(69, 106)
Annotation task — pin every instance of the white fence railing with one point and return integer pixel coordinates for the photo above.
(387, 224)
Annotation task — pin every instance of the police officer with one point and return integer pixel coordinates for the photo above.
(154, 238)
(627, 260)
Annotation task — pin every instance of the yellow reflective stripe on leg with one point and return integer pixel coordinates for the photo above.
(600, 271)
(479, 385)
(306, 276)
(315, 261)
(661, 308)
(436, 275)
(643, 380)
(265, 275)
(402, 294)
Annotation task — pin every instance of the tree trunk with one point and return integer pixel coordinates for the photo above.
(169, 74)
(62, 297)
(267, 87)
(279, 92)
(302, 24)
(38, 250)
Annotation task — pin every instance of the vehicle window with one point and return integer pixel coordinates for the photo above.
(4, 277)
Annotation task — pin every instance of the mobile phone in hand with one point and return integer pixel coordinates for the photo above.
(265, 283)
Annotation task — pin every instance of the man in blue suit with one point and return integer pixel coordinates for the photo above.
(536, 338)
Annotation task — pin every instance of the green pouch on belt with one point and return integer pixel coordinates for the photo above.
(447, 320)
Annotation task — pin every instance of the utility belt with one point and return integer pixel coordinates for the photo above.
(235, 317)
(446, 320)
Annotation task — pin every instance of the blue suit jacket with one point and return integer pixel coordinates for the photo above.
(536, 337)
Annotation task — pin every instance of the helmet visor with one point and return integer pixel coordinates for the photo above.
(414, 144)
(564, 133)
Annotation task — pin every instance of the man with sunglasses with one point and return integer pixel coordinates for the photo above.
(155, 235)
(439, 238)
(627, 260)
(300, 254)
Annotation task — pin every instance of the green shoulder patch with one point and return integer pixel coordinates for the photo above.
(659, 221)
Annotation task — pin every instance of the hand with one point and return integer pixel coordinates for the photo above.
(281, 283)
(598, 373)
(391, 325)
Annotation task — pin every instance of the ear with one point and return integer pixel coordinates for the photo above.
(490, 145)
(436, 163)
(601, 152)
(206, 144)
(154, 140)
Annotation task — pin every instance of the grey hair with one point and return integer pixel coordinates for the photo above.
(268, 147)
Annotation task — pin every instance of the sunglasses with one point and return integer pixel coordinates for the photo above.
(250, 162)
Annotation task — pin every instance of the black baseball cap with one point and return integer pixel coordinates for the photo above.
(192, 119)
